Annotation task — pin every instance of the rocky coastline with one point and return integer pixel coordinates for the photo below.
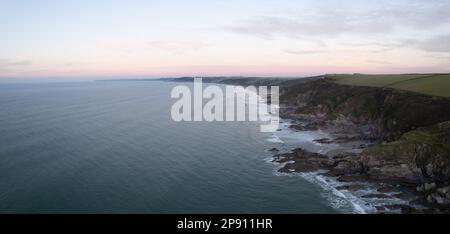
(398, 141)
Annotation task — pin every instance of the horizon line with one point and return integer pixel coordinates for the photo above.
(96, 77)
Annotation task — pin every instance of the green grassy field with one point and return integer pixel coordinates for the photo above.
(430, 84)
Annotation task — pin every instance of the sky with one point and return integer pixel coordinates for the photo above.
(133, 38)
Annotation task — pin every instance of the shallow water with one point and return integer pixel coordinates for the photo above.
(111, 147)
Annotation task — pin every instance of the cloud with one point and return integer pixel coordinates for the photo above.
(378, 47)
(172, 46)
(343, 17)
(444, 58)
(269, 27)
(177, 45)
(13, 63)
(8, 66)
(439, 43)
(434, 44)
(379, 62)
(303, 51)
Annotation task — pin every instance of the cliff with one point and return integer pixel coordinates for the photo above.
(410, 131)
(381, 114)
(419, 156)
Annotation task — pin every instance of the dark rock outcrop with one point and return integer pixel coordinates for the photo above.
(419, 159)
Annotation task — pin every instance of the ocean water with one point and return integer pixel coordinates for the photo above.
(111, 147)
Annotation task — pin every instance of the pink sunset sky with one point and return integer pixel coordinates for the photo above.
(85, 39)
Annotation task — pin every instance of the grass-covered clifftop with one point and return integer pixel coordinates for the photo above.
(429, 84)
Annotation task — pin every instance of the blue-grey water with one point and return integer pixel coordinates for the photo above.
(111, 147)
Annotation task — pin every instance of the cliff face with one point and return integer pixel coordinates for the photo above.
(384, 114)
(419, 156)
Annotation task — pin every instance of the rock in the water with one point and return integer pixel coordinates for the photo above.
(445, 191)
(334, 173)
(408, 196)
(377, 196)
(363, 146)
(349, 166)
(324, 141)
(387, 189)
(353, 187)
(438, 199)
(352, 178)
(307, 127)
(426, 187)
(274, 150)
(404, 208)
(300, 160)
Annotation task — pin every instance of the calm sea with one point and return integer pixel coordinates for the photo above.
(111, 147)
